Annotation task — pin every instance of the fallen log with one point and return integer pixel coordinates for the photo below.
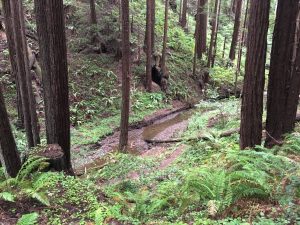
(227, 133)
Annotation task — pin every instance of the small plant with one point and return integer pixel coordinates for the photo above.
(28, 219)
(27, 183)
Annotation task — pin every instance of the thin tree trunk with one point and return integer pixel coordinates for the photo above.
(236, 29)
(148, 46)
(240, 52)
(180, 11)
(252, 102)
(183, 15)
(196, 37)
(32, 102)
(125, 76)
(216, 38)
(153, 25)
(213, 33)
(224, 47)
(9, 156)
(283, 89)
(12, 54)
(53, 50)
(22, 70)
(165, 39)
(93, 12)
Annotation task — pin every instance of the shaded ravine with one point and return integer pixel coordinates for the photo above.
(167, 127)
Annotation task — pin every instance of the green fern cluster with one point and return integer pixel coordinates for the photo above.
(28, 182)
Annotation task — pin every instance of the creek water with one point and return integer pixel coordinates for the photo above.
(163, 129)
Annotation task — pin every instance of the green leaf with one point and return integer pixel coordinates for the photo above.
(28, 219)
(7, 196)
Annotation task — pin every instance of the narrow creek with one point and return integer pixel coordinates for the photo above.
(170, 126)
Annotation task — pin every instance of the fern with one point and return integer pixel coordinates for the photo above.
(24, 184)
(33, 164)
(28, 219)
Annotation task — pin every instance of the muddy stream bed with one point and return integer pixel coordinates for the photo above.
(165, 128)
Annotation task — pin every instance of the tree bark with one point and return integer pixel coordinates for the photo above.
(9, 156)
(165, 39)
(196, 37)
(53, 50)
(12, 56)
(252, 101)
(153, 25)
(148, 46)
(202, 26)
(125, 77)
(183, 15)
(93, 12)
(284, 77)
(216, 37)
(240, 51)
(32, 102)
(235, 35)
(213, 33)
(22, 64)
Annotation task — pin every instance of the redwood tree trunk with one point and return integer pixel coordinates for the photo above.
(22, 64)
(8, 150)
(165, 39)
(183, 15)
(149, 46)
(153, 25)
(53, 50)
(213, 33)
(196, 37)
(32, 102)
(235, 35)
(125, 76)
(283, 89)
(202, 26)
(93, 12)
(12, 54)
(252, 102)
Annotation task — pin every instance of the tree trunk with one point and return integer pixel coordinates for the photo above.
(180, 11)
(165, 39)
(283, 89)
(148, 46)
(202, 26)
(125, 77)
(240, 51)
(252, 102)
(53, 50)
(22, 64)
(224, 47)
(153, 26)
(196, 37)
(93, 12)
(213, 33)
(216, 37)
(8, 150)
(183, 15)
(12, 54)
(32, 102)
(235, 35)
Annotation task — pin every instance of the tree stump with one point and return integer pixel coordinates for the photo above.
(54, 155)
